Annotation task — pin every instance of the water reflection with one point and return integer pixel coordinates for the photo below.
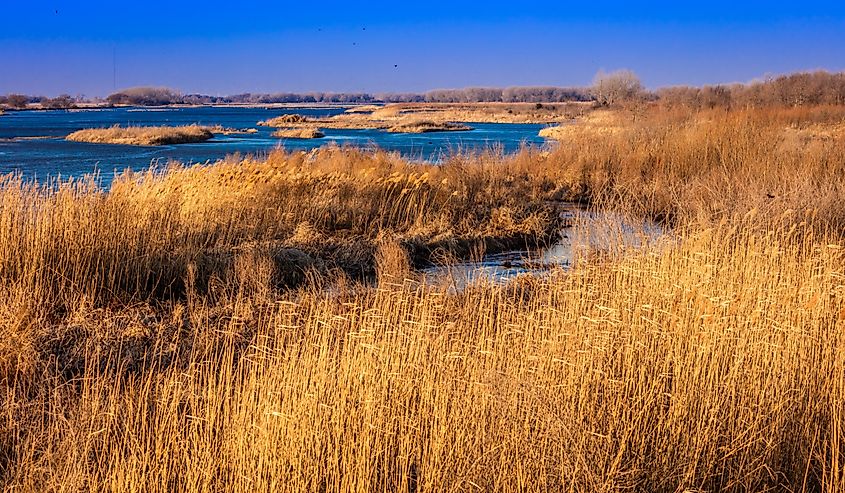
(588, 231)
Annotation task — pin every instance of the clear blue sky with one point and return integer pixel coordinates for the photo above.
(214, 47)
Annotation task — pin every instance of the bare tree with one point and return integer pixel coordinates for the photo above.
(617, 87)
(18, 101)
(63, 101)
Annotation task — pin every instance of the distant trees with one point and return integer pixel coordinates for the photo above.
(542, 94)
(397, 97)
(145, 96)
(159, 96)
(63, 101)
(799, 89)
(18, 101)
(619, 88)
(610, 89)
(287, 97)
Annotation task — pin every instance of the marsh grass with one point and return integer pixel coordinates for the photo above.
(426, 126)
(711, 364)
(138, 241)
(683, 167)
(201, 328)
(299, 133)
(143, 136)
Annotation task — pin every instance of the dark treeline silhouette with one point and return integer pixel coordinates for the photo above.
(799, 89)
(609, 89)
(288, 97)
(20, 101)
(508, 95)
(146, 96)
(152, 96)
(155, 96)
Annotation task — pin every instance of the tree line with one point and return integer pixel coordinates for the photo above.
(20, 101)
(608, 89)
(799, 89)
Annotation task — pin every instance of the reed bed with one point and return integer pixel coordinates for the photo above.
(426, 126)
(201, 329)
(700, 167)
(143, 136)
(299, 133)
(713, 364)
(326, 211)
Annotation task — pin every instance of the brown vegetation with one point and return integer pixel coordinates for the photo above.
(151, 338)
(284, 120)
(702, 166)
(219, 129)
(366, 108)
(145, 96)
(424, 126)
(799, 89)
(614, 88)
(142, 136)
(409, 116)
(595, 124)
(299, 133)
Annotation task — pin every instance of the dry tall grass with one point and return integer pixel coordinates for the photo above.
(299, 133)
(149, 343)
(702, 166)
(326, 209)
(426, 126)
(142, 136)
(715, 364)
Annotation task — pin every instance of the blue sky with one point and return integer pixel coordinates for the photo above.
(214, 47)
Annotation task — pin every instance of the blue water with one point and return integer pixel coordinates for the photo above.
(52, 156)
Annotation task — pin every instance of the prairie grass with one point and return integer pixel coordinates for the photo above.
(426, 126)
(712, 364)
(700, 167)
(329, 209)
(299, 133)
(285, 121)
(201, 328)
(142, 136)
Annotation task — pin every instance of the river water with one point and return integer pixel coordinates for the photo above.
(32, 142)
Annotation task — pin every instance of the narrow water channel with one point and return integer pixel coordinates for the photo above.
(586, 231)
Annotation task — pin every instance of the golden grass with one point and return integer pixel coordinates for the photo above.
(408, 115)
(713, 364)
(220, 129)
(365, 108)
(285, 121)
(329, 208)
(142, 136)
(700, 167)
(425, 126)
(596, 124)
(151, 340)
(299, 133)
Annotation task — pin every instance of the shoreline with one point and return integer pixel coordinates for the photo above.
(385, 113)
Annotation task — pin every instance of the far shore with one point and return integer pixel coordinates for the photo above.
(383, 116)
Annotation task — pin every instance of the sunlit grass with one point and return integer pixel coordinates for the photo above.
(142, 136)
(203, 328)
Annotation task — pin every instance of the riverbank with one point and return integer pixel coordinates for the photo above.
(439, 114)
